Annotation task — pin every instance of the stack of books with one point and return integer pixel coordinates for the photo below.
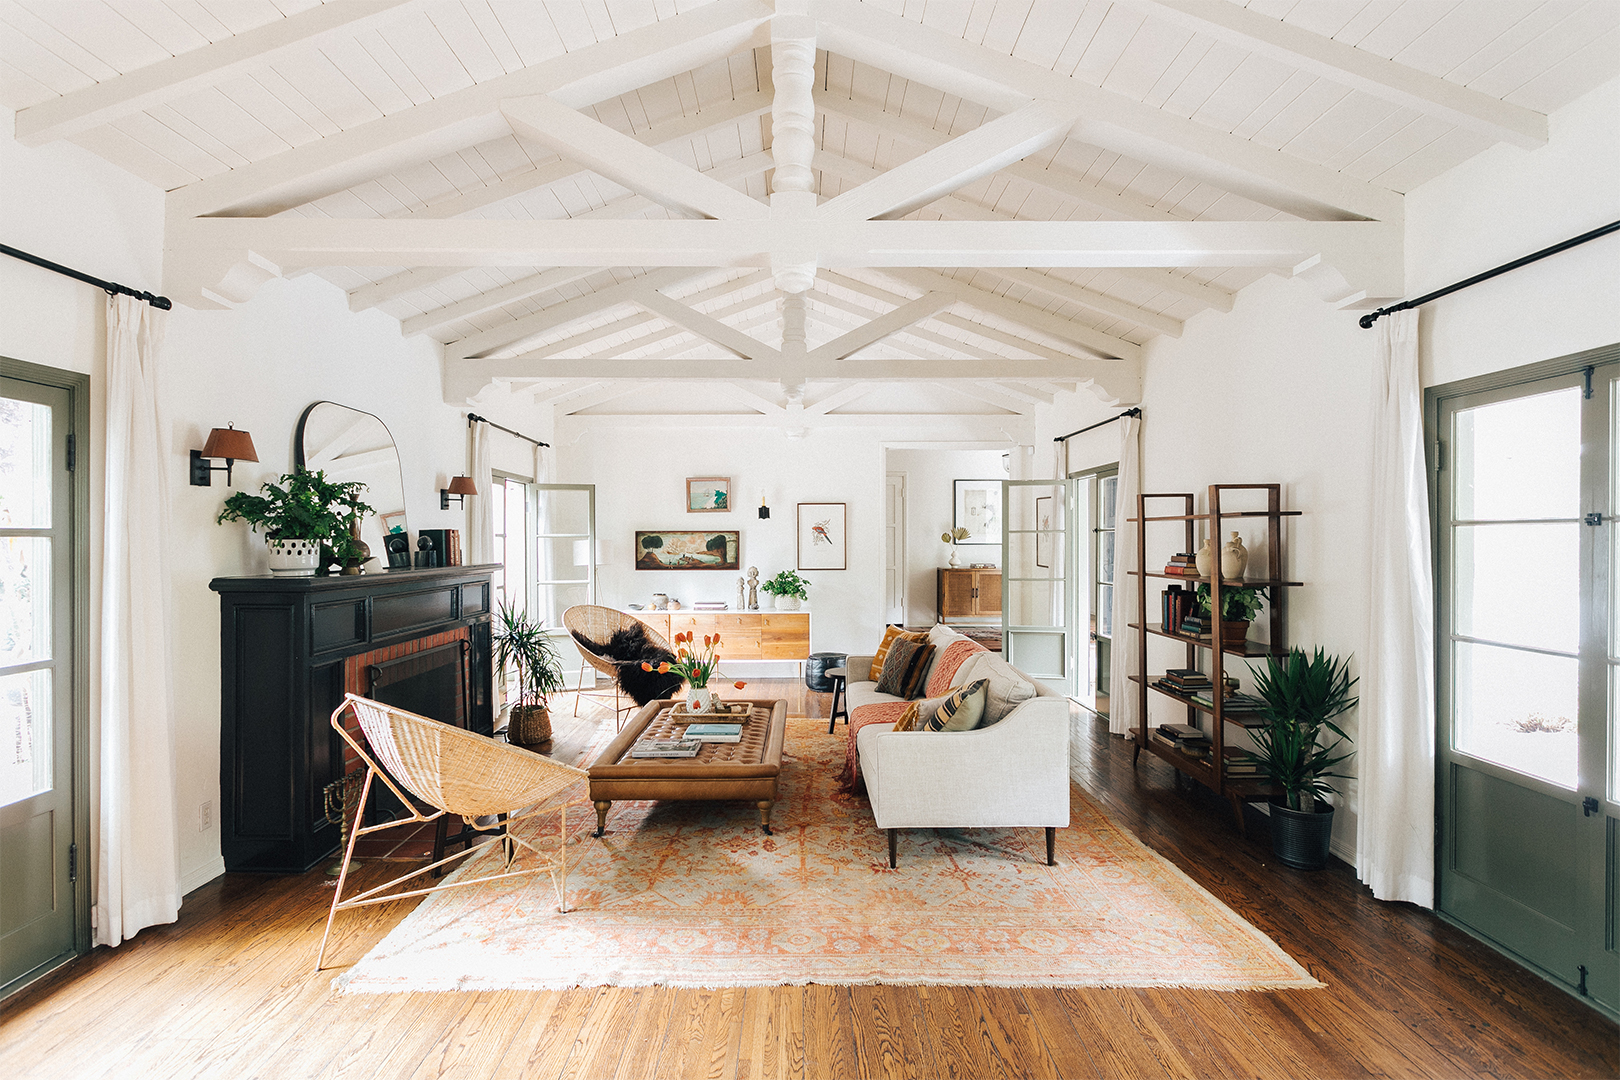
(452, 537)
(713, 733)
(1187, 680)
(1237, 703)
(1185, 738)
(1195, 625)
(709, 605)
(1182, 564)
(1175, 604)
(1238, 764)
(676, 748)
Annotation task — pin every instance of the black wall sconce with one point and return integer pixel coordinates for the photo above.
(460, 487)
(764, 511)
(227, 443)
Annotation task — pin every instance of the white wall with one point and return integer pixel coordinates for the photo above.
(258, 366)
(930, 510)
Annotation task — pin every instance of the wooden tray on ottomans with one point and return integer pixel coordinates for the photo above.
(724, 712)
(721, 771)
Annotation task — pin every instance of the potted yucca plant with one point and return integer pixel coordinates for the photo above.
(524, 649)
(1300, 698)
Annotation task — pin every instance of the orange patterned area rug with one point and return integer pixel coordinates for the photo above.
(695, 895)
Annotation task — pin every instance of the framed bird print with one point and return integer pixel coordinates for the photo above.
(823, 542)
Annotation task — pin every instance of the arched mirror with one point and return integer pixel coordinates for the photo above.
(347, 444)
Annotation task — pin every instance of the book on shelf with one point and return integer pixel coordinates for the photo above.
(1183, 731)
(670, 748)
(1237, 762)
(710, 605)
(1237, 703)
(716, 733)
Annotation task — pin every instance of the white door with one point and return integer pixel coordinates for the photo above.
(894, 548)
(1039, 620)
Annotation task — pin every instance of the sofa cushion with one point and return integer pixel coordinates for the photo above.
(891, 634)
(962, 709)
(918, 714)
(943, 677)
(904, 668)
(1008, 686)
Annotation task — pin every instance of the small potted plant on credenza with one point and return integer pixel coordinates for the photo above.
(788, 588)
(524, 650)
(1300, 697)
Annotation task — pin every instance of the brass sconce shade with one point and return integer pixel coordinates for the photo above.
(227, 443)
(460, 487)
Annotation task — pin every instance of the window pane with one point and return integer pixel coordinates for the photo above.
(25, 599)
(25, 720)
(1516, 709)
(1519, 458)
(1108, 492)
(25, 463)
(1105, 611)
(1519, 584)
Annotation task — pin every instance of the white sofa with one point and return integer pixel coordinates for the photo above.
(1013, 773)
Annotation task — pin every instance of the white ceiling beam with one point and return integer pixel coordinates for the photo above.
(591, 334)
(1208, 296)
(726, 172)
(548, 391)
(745, 396)
(918, 370)
(560, 315)
(1107, 118)
(657, 336)
(883, 326)
(462, 379)
(844, 396)
(990, 393)
(956, 164)
(145, 88)
(1002, 337)
(396, 285)
(1023, 392)
(890, 125)
(626, 161)
(727, 337)
(1090, 298)
(599, 394)
(1359, 69)
(1363, 246)
(1105, 345)
(521, 289)
(915, 333)
(472, 115)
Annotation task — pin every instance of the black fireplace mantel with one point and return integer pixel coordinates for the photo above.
(284, 642)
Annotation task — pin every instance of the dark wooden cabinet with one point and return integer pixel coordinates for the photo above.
(969, 594)
(289, 649)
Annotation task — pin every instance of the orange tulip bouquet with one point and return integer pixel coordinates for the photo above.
(696, 667)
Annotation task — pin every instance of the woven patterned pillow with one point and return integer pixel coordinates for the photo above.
(904, 668)
(891, 634)
(961, 710)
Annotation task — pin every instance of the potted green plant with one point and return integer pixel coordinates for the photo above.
(1300, 697)
(1239, 604)
(299, 514)
(788, 588)
(524, 651)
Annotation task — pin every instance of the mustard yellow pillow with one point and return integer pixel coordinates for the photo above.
(891, 634)
(908, 719)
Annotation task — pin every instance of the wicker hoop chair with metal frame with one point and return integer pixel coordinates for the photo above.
(596, 623)
(455, 772)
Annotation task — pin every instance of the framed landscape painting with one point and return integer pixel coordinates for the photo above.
(978, 510)
(708, 494)
(675, 550)
(823, 541)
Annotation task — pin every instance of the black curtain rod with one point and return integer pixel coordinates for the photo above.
(112, 288)
(474, 418)
(1372, 317)
(1098, 424)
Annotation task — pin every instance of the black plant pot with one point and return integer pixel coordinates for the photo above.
(1300, 838)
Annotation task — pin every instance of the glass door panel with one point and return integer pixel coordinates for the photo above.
(1037, 556)
(565, 539)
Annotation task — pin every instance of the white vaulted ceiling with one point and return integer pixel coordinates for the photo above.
(1005, 195)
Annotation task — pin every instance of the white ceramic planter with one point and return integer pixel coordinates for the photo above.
(787, 603)
(699, 699)
(294, 558)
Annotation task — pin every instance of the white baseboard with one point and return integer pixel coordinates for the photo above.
(201, 876)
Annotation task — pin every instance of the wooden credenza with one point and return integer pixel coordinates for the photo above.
(746, 635)
(969, 594)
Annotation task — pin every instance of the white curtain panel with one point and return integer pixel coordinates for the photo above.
(1395, 746)
(1125, 654)
(137, 850)
(481, 507)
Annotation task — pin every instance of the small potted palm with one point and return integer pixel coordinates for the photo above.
(524, 650)
(1300, 697)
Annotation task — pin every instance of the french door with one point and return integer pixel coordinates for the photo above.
(44, 906)
(1528, 658)
(1040, 611)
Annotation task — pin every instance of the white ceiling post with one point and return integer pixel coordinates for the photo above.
(793, 139)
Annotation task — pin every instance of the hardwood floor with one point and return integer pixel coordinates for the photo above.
(228, 990)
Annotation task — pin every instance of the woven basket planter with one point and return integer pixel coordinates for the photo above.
(529, 725)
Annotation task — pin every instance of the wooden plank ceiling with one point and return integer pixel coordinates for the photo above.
(1005, 196)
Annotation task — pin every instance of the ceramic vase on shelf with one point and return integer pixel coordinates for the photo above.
(953, 564)
(1205, 559)
(699, 699)
(294, 558)
(1234, 559)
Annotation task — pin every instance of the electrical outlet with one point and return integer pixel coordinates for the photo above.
(205, 815)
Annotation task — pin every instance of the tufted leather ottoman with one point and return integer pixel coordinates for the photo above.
(721, 771)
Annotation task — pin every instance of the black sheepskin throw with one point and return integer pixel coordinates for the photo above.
(628, 647)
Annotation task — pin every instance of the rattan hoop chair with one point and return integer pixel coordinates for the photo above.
(455, 772)
(596, 623)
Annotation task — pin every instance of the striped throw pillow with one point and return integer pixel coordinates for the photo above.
(962, 709)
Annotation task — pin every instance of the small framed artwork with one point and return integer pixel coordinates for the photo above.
(1043, 535)
(686, 550)
(978, 510)
(391, 521)
(823, 541)
(708, 494)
